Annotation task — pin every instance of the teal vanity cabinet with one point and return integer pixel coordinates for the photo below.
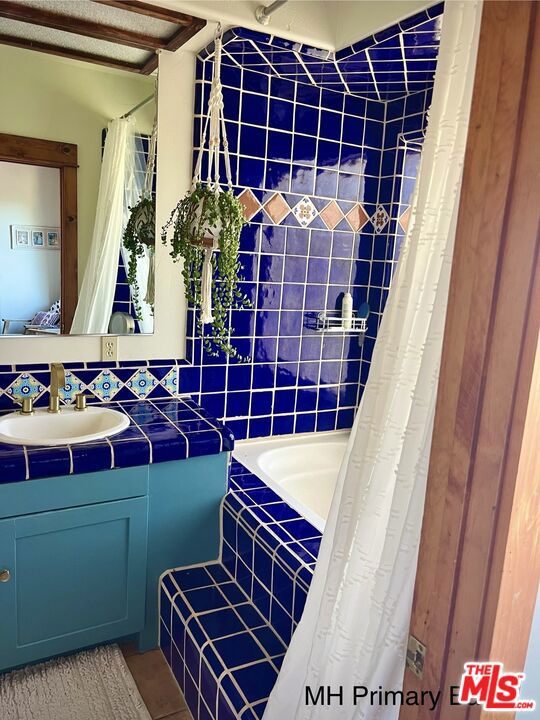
(81, 555)
(72, 562)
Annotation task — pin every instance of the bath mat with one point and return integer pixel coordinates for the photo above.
(92, 685)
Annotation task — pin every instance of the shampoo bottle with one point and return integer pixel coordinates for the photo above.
(346, 311)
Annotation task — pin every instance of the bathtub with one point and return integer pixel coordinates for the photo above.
(302, 469)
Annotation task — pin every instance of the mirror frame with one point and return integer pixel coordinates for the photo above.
(49, 153)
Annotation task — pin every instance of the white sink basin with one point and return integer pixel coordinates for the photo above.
(63, 428)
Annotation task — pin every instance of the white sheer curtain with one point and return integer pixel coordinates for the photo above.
(97, 290)
(355, 624)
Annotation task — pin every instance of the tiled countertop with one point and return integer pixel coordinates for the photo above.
(160, 431)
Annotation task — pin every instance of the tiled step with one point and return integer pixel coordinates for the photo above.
(225, 626)
(224, 654)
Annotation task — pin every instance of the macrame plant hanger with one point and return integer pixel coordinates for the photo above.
(215, 130)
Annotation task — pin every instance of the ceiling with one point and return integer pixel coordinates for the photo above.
(391, 64)
(125, 34)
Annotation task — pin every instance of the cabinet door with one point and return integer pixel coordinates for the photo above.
(77, 577)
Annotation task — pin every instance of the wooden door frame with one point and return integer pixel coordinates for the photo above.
(479, 559)
(51, 153)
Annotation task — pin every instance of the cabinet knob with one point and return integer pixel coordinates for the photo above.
(5, 575)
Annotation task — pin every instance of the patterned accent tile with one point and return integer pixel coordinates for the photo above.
(141, 383)
(23, 386)
(357, 217)
(380, 219)
(305, 211)
(405, 219)
(105, 386)
(250, 203)
(277, 208)
(73, 387)
(170, 381)
(332, 215)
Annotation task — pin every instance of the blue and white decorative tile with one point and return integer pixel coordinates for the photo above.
(170, 381)
(380, 219)
(25, 385)
(305, 211)
(73, 387)
(142, 383)
(106, 385)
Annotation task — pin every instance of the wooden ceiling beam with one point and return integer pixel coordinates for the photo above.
(175, 42)
(154, 11)
(65, 52)
(79, 26)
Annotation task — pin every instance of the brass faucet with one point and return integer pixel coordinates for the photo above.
(58, 380)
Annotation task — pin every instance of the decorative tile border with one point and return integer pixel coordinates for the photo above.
(119, 381)
(160, 430)
(304, 211)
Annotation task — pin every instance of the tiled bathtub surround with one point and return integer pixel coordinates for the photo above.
(321, 176)
(160, 430)
(225, 626)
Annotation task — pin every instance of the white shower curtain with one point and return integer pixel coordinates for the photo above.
(355, 624)
(96, 296)
(134, 186)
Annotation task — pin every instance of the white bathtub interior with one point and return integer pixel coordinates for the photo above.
(302, 469)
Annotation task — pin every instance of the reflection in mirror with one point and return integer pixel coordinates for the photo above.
(52, 219)
(29, 248)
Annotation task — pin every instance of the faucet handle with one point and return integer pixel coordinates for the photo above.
(80, 401)
(27, 406)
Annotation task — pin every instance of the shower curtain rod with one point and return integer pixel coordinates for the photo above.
(263, 13)
(138, 107)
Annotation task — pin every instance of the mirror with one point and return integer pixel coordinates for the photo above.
(63, 267)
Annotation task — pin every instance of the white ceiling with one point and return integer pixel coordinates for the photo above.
(329, 24)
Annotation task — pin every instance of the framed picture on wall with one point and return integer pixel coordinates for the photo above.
(52, 236)
(38, 238)
(21, 237)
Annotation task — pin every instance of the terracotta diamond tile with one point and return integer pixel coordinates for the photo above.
(277, 208)
(357, 217)
(405, 219)
(250, 203)
(331, 215)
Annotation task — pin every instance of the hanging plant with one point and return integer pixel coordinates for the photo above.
(140, 240)
(140, 233)
(204, 221)
(206, 233)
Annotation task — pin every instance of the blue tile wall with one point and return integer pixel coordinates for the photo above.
(326, 178)
(398, 61)
(321, 175)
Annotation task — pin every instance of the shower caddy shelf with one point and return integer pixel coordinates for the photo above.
(332, 321)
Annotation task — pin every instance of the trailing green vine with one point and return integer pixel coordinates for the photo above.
(199, 215)
(139, 238)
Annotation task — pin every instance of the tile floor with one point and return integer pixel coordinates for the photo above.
(156, 684)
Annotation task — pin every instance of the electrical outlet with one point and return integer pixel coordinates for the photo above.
(109, 347)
